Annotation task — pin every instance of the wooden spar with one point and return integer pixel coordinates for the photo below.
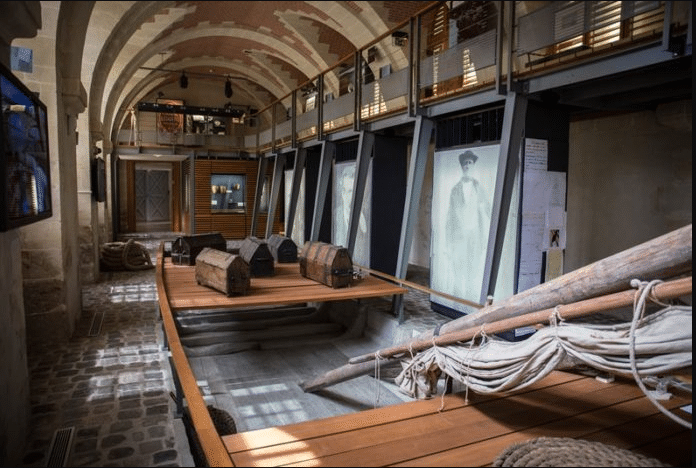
(418, 287)
(662, 291)
(662, 257)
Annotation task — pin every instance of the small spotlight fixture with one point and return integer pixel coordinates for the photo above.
(228, 88)
(183, 80)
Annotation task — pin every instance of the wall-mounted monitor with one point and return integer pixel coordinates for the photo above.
(25, 184)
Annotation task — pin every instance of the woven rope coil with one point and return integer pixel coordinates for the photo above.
(565, 451)
(125, 256)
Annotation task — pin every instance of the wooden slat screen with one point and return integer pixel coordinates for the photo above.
(230, 225)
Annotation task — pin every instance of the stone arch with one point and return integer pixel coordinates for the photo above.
(71, 98)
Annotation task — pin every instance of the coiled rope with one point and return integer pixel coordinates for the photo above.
(565, 451)
(129, 255)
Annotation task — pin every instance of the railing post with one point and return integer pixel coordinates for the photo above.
(320, 108)
(293, 125)
(328, 150)
(357, 90)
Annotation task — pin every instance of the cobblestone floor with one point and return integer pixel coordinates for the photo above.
(111, 381)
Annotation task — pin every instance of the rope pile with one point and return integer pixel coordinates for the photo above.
(650, 345)
(125, 256)
(565, 451)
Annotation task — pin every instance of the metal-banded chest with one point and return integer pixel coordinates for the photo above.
(185, 249)
(326, 263)
(256, 253)
(283, 249)
(225, 272)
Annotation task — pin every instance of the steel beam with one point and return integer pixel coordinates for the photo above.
(263, 161)
(366, 144)
(328, 151)
(508, 165)
(298, 170)
(416, 173)
(275, 190)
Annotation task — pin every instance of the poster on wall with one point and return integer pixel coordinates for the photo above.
(543, 217)
(462, 205)
(298, 229)
(342, 196)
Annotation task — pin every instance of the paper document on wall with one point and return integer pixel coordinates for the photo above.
(543, 213)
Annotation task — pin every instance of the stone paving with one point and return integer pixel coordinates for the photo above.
(114, 387)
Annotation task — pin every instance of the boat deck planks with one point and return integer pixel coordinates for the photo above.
(447, 431)
(285, 287)
(417, 434)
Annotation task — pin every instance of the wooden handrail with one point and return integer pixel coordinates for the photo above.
(418, 287)
(211, 443)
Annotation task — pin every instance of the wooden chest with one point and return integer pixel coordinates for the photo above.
(185, 249)
(256, 253)
(326, 263)
(283, 249)
(226, 272)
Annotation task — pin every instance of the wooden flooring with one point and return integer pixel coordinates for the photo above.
(285, 287)
(418, 434)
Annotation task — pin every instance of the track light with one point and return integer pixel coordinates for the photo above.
(228, 88)
(183, 80)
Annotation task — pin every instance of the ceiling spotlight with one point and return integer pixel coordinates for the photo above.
(228, 88)
(183, 80)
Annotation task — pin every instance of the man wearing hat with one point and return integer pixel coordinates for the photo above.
(466, 231)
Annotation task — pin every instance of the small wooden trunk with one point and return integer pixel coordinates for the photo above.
(256, 253)
(326, 263)
(223, 271)
(185, 249)
(283, 249)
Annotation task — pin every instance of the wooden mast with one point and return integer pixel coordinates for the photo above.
(663, 257)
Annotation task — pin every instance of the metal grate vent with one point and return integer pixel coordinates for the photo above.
(60, 447)
(97, 321)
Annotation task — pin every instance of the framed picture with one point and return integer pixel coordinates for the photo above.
(298, 229)
(25, 187)
(462, 206)
(342, 196)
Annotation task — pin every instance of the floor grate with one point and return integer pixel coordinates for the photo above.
(97, 321)
(60, 447)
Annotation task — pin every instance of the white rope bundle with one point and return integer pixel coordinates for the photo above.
(656, 344)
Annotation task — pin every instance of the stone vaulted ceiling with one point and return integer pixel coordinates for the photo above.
(267, 48)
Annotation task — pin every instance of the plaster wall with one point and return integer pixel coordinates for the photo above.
(629, 181)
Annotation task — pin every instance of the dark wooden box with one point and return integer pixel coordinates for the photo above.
(256, 253)
(226, 272)
(185, 249)
(326, 263)
(283, 249)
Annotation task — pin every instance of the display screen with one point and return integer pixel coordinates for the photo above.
(344, 177)
(26, 185)
(463, 193)
(298, 226)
